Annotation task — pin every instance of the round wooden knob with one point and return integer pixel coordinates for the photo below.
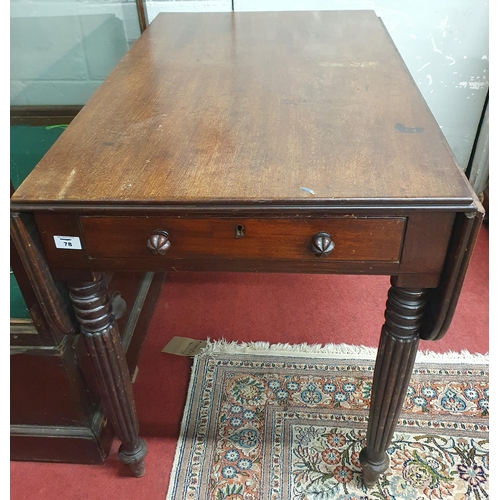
(158, 242)
(322, 244)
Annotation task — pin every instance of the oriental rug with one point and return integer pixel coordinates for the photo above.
(288, 422)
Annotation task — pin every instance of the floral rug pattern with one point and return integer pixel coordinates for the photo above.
(291, 428)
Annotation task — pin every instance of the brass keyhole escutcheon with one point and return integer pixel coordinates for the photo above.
(239, 231)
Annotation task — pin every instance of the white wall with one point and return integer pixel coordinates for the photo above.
(154, 7)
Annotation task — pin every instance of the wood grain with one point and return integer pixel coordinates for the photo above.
(393, 369)
(93, 310)
(260, 107)
(356, 239)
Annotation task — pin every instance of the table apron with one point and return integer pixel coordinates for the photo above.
(411, 245)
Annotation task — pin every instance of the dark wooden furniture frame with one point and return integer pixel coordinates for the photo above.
(55, 408)
(258, 142)
(43, 115)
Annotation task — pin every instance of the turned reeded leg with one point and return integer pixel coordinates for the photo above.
(393, 368)
(92, 306)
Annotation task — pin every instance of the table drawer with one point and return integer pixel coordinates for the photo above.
(354, 239)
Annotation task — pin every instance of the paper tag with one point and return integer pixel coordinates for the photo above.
(68, 242)
(182, 346)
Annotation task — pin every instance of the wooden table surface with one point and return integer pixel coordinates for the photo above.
(273, 107)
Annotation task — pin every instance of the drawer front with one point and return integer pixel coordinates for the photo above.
(354, 239)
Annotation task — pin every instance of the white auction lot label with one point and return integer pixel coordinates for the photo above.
(68, 242)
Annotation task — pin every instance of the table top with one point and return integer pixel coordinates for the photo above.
(253, 108)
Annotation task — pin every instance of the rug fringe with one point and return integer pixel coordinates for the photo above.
(331, 351)
(183, 430)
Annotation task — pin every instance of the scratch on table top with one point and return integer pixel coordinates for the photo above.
(349, 64)
(67, 184)
(408, 130)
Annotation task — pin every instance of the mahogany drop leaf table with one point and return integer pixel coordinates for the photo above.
(257, 142)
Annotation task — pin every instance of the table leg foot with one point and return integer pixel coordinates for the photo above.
(393, 368)
(134, 459)
(373, 466)
(93, 310)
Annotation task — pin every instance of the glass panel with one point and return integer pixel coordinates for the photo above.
(62, 50)
(18, 307)
(27, 146)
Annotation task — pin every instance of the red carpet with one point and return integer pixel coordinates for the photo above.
(243, 307)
